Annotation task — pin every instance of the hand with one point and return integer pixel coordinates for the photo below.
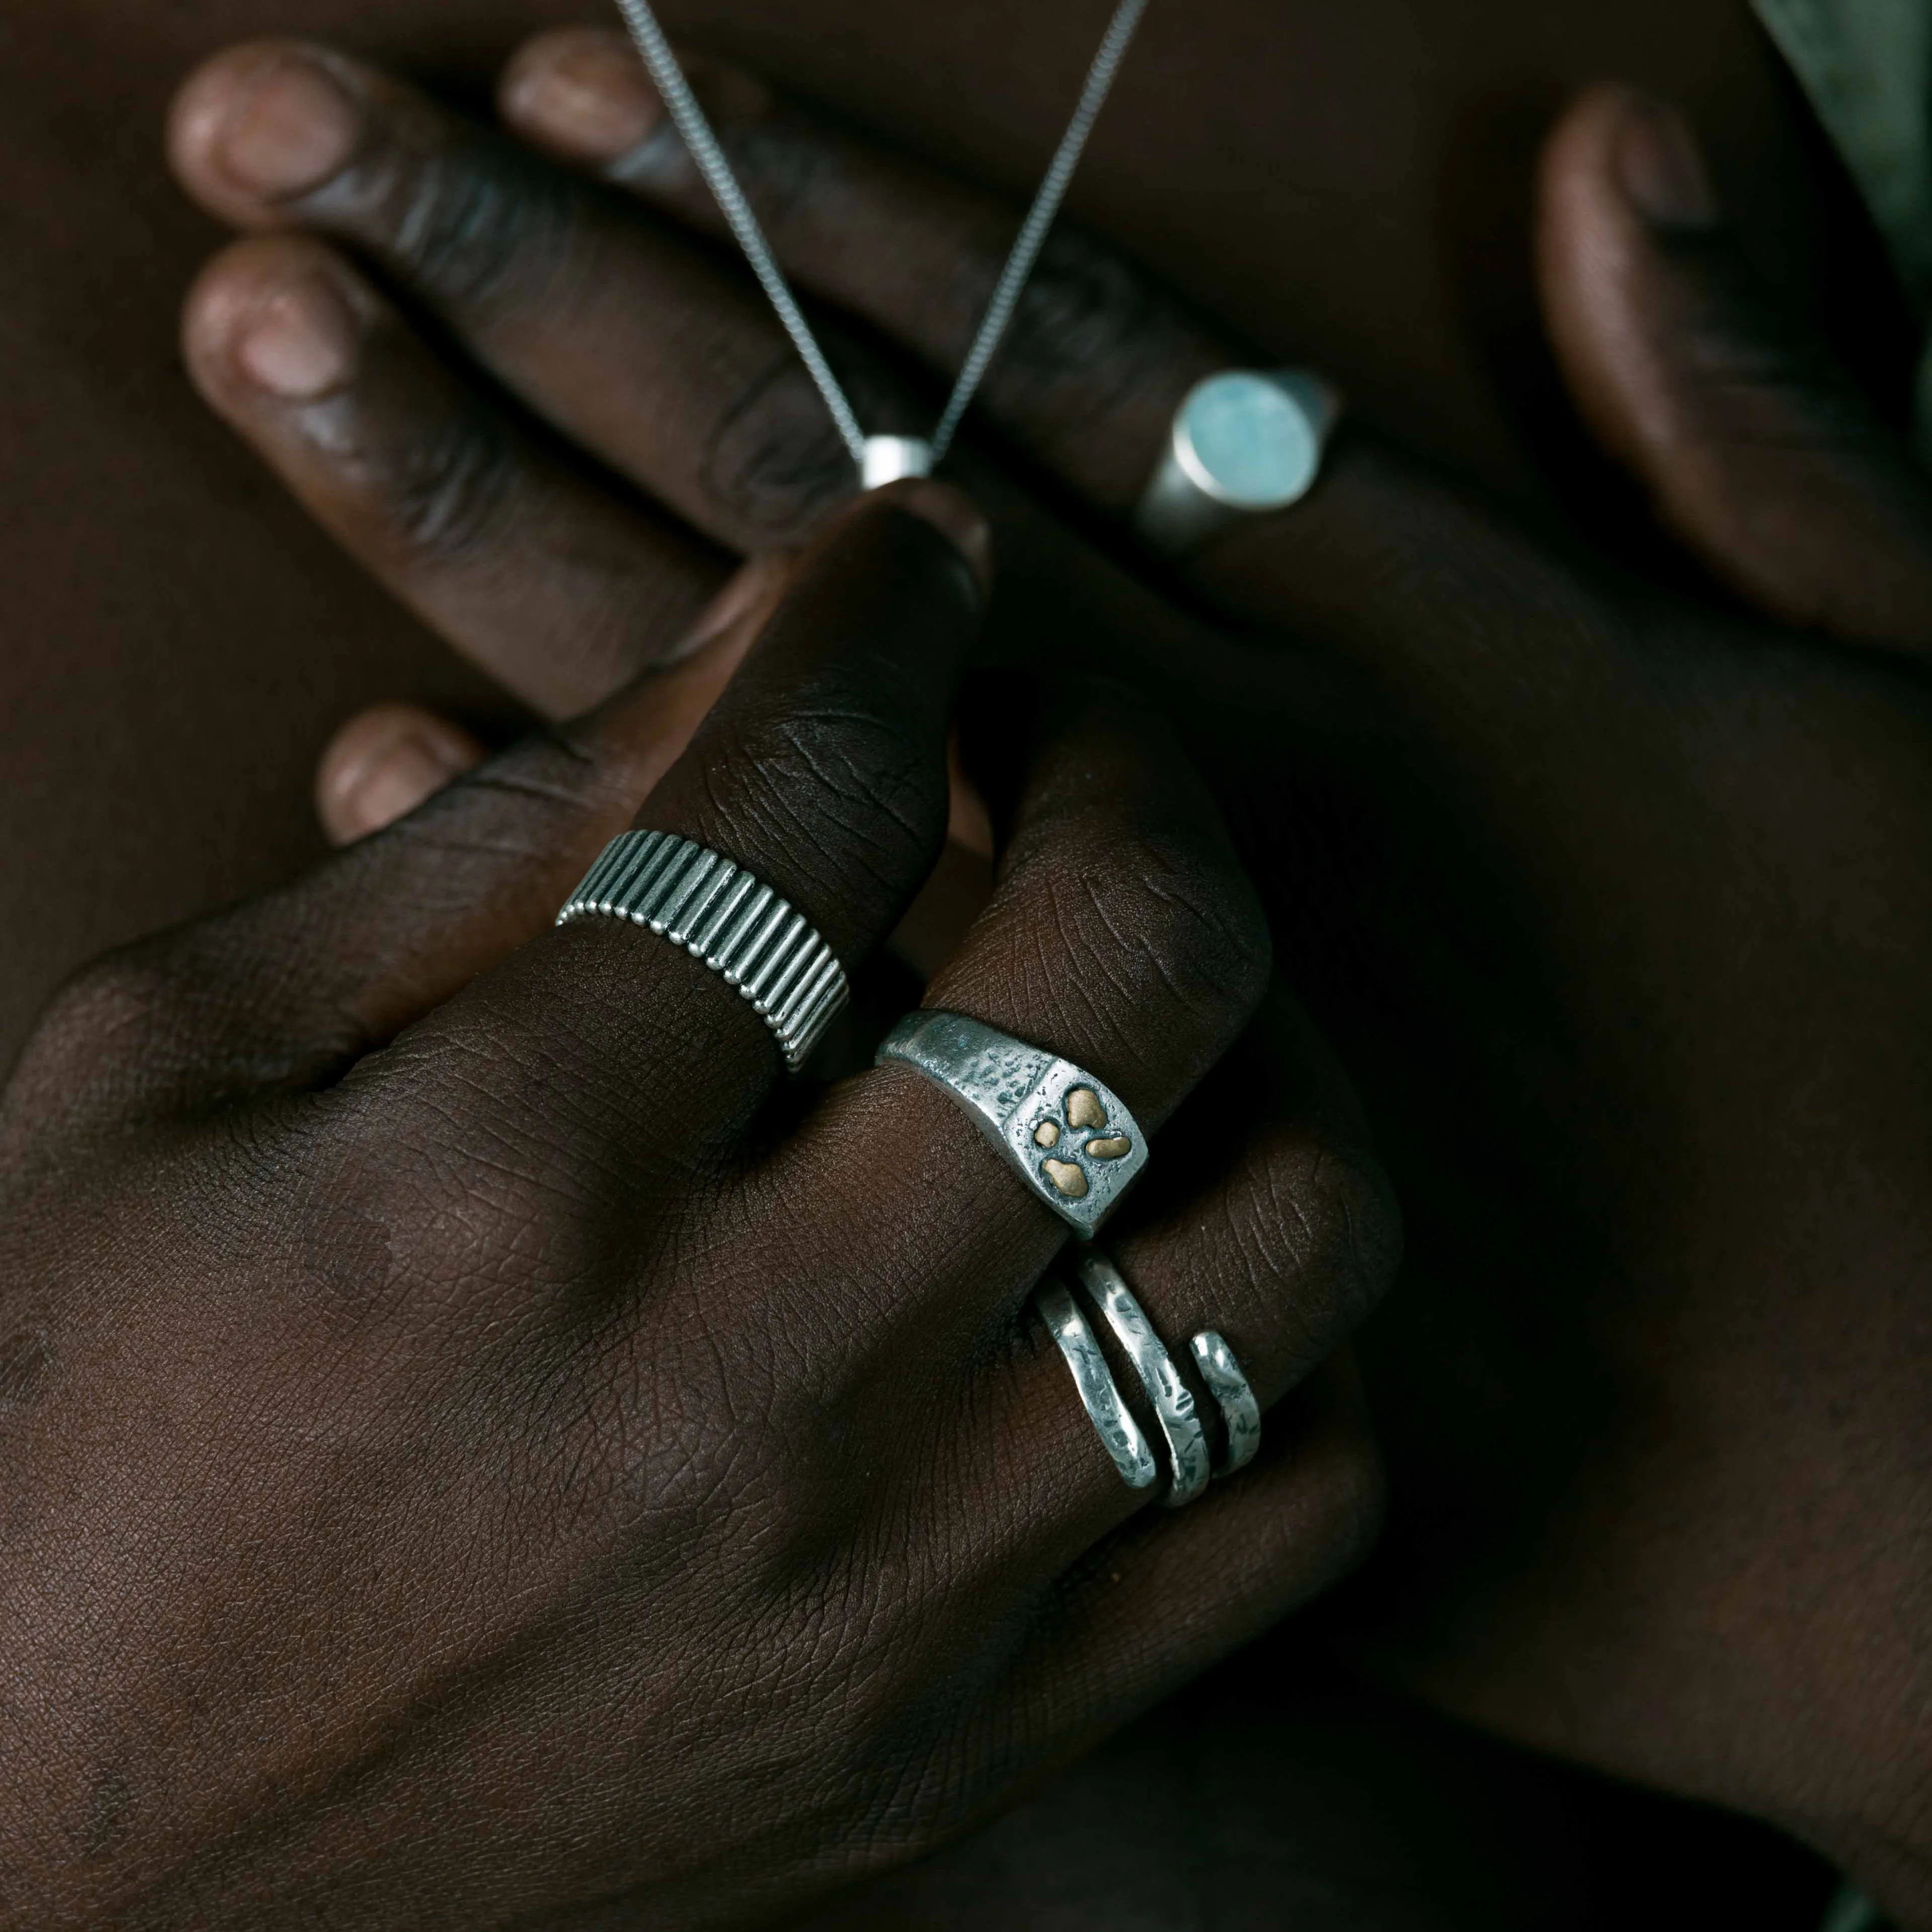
(475, 1452)
(1618, 895)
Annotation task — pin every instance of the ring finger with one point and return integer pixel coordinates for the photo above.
(1122, 938)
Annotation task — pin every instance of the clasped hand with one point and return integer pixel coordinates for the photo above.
(478, 1451)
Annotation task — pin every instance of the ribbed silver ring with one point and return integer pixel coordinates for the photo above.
(721, 916)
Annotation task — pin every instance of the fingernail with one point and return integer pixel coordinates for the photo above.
(587, 93)
(406, 773)
(954, 517)
(1662, 172)
(290, 132)
(303, 343)
(758, 583)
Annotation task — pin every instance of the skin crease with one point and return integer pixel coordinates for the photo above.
(147, 696)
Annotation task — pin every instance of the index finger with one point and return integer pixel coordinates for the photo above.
(822, 774)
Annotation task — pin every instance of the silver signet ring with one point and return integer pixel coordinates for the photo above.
(1069, 1136)
(1244, 443)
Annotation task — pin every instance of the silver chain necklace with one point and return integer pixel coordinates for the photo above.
(883, 459)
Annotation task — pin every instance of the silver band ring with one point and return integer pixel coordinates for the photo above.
(1120, 1434)
(769, 954)
(1245, 443)
(1174, 1407)
(1240, 1413)
(1068, 1135)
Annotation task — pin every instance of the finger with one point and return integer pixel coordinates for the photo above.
(823, 774)
(528, 563)
(1266, 1220)
(639, 347)
(384, 764)
(1385, 562)
(1759, 452)
(1123, 936)
(1148, 1611)
(290, 991)
(1099, 357)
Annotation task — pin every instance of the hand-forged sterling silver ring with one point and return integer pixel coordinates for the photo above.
(1068, 1135)
(722, 916)
(1175, 1405)
(1121, 1435)
(1245, 443)
(1240, 1413)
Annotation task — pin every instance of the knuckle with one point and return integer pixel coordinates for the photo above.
(775, 463)
(1090, 318)
(144, 1033)
(836, 794)
(1323, 1235)
(481, 232)
(444, 494)
(1164, 919)
(130, 1000)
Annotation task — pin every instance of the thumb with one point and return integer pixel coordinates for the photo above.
(1757, 449)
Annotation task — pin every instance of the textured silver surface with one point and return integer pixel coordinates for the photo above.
(1229, 1386)
(1183, 507)
(1174, 1407)
(1016, 1093)
(721, 915)
(1120, 1434)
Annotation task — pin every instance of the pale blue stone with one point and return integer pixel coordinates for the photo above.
(1254, 443)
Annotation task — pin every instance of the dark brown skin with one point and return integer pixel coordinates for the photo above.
(480, 1450)
(1390, 318)
(180, 646)
(1527, 820)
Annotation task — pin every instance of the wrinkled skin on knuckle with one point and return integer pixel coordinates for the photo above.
(1090, 318)
(840, 797)
(438, 496)
(1162, 924)
(107, 1011)
(469, 1191)
(584, 1305)
(775, 463)
(482, 228)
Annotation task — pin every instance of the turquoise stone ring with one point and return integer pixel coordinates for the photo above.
(1245, 443)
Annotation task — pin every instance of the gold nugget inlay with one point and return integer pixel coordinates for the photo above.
(1118, 1148)
(1047, 1134)
(1084, 1109)
(1067, 1178)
